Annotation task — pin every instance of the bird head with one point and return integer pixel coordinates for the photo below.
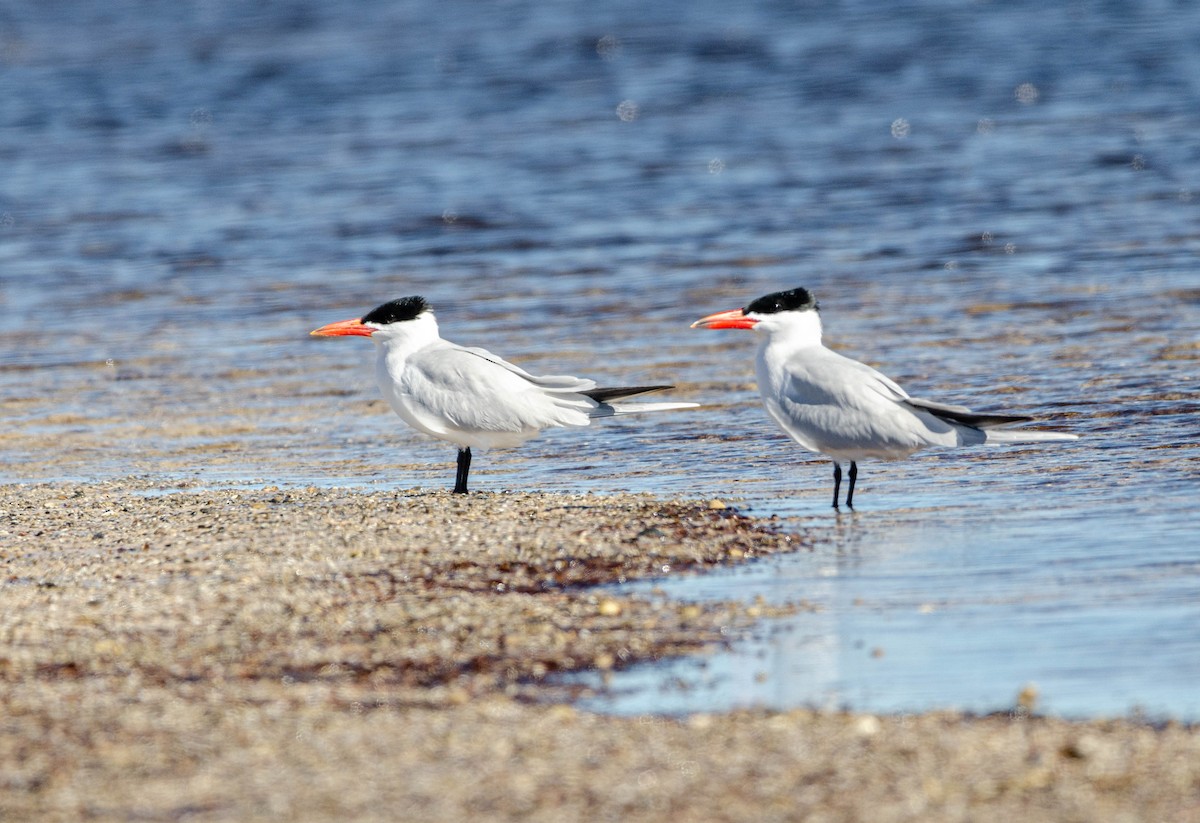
(396, 318)
(774, 311)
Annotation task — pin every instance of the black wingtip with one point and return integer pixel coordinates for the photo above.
(604, 395)
(977, 420)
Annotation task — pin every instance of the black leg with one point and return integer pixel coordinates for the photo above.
(853, 477)
(837, 482)
(464, 467)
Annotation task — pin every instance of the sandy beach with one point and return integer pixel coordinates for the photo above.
(315, 654)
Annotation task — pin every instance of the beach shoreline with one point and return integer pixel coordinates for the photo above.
(319, 654)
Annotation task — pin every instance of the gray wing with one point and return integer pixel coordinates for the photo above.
(550, 382)
(453, 389)
(844, 408)
(829, 378)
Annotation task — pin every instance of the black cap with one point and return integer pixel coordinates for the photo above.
(396, 311)
(794, 300)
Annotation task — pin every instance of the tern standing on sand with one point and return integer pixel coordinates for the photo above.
(469, 396)
(845, 409)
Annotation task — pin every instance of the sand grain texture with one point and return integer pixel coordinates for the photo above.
(334, 655)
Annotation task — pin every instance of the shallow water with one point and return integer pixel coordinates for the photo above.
(996, 203)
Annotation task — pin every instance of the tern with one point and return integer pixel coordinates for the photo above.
(844, 409)
(469, 396)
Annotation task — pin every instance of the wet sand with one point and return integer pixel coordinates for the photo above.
(183, 654)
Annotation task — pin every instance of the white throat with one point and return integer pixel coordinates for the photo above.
(791, 329)
(399, 340)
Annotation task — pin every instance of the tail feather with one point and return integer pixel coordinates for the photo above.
(1026, 436)
(607, 409)
(991, 426)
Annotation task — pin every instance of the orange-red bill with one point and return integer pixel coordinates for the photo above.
(344, 328)
(732, 319)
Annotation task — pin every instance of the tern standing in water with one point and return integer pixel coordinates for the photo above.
(845, 409)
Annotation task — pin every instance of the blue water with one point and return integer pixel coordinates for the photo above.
(996, 203)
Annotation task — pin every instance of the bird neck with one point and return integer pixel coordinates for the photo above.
(792, 330)
(397, 344)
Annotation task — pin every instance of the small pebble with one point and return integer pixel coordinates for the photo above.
(1027, 698)
(867, 725)
(609, 607)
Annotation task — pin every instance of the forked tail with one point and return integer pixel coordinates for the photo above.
(993, 426)
(607, 409)
(1026, 436)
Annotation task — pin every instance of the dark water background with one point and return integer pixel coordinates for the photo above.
(996, 202)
